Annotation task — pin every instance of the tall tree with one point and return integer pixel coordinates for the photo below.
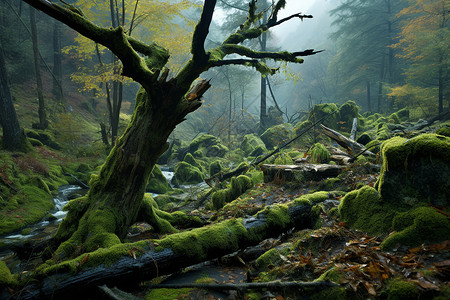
(424, 40)
(14, 138)
(365, 30)
(57, 62)
(43, 122)
(102, 218)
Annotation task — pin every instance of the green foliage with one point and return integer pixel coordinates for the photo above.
(319, 154)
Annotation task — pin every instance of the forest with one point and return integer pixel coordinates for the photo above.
(224, 149)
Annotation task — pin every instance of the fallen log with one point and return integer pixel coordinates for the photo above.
(126, 265)
(350, 145)
(271, 285)
(299, 173)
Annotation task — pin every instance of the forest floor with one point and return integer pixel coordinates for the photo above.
(330, 251)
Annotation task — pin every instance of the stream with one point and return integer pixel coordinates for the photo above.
(65, 193)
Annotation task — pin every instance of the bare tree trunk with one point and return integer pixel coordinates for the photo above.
(369, 108)
(43, 122)
(13, 136)
(57, 62)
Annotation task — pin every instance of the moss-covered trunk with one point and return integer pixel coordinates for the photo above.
(101, 219)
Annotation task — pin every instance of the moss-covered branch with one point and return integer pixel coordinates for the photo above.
(123, 264)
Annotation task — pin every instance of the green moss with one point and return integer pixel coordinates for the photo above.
(347, 112)
(187, 174)
(198, 243)
(101, 256)
(259, 150)
(319, 154)
(417, 168)
(256, 176)
(215, 168)
(35, 142)
(157, 182)
(402, 290)
(332, 274)
(334, 293)
(28, 206)
(6, 278)
(169, 294)
(209, 145)
(421, 225)
(238, 186)
(277, 135)
(283, 159)
(250, 143)
(394, 119)
(314, 198)
(271, 258)
(444, 131)
(321, 110)
(364, 209)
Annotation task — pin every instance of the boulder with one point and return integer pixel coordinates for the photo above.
(416, 170)
(207, 145)
(278, 135)
(187, 174)
(158, 183)
(250, 142)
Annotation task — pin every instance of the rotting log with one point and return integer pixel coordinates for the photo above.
(148, 259)
(348, 144)
(299, 173)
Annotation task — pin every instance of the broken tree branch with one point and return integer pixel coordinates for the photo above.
(351, 146)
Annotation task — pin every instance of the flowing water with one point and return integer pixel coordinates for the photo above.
(64, 195)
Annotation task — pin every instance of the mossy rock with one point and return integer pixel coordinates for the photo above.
(421, 225)
(444, 131)
(321, 110)
(402, 290)
(35, 142)
(209, 145)
(364, 138)
(347, 112)
(365, 210)
(6, 278)
(44, 137)
(277, 135)
(416, 170)
(238, 186)
(28, 206)
(271, 258)
(158, 183)
(187, 174)
(215, 168)
(250, 142)
(189, 158)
